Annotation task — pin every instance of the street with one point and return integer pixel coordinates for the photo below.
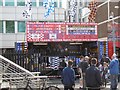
(57, 82)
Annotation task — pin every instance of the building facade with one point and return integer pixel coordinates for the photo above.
(80, 9)
(104, 20)
(108, 19)
(13, 23)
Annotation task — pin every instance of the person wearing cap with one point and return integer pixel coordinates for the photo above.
(114, 72)
(68, 76)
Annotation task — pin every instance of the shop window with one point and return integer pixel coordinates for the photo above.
(9, 2)
(20, 2)
(1, 26)
(10, 27)
(21, 26)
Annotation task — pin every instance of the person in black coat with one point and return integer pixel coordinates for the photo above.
(93, 77)
(82, 66)
(104, 59)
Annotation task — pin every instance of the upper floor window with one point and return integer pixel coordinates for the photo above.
(1, 3)
(33, 2)
(20, 2)
(21, 26)
(1, 26)
(10, 27)
(60, 4)
(40, 3)
(80, 4)
(9, 2)
(55, 4)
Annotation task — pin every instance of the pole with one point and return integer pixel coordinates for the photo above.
(114, 39)
(54, 12)
(113, 33)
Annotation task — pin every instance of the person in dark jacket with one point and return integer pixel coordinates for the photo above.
(93, 77)
(104, 59)
(83, 65)
(68, 76)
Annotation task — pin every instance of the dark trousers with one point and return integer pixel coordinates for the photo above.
(84, 84)
(93, 89)
(119, 78)
(68, 88)
(114, 82)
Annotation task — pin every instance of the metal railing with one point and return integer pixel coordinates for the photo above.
(10, 70)
(14, 76)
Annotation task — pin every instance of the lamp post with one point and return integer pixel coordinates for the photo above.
(113, 32)
(54, 12)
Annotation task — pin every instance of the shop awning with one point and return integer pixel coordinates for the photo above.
(102, 39)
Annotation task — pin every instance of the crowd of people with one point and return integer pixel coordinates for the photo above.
(93, 73)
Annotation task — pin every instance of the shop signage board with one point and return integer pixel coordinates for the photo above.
(54, 31)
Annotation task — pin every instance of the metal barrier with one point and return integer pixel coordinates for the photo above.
(21, 82)
(9, 69)
(32, 60)
(11, 74)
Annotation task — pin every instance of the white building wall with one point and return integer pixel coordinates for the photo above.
(85, 13)
(15, 13)
(79, 15)
(8, 40)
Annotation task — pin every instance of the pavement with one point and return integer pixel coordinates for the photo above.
(57, 82)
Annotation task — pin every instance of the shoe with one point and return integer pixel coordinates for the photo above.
(80, 88)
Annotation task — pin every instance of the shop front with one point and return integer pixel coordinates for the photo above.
(52, 43)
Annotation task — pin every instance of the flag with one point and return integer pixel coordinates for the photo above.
(49, 5)
(73, 8)
(27, 13)
(45, 4)
(54, 62)
(93, 7)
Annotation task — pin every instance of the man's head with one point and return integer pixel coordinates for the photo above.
(70, 62)
(114, 56)
(104, 55)
(105, 64)
(86, 58)
(93, 61)
(82, 58)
